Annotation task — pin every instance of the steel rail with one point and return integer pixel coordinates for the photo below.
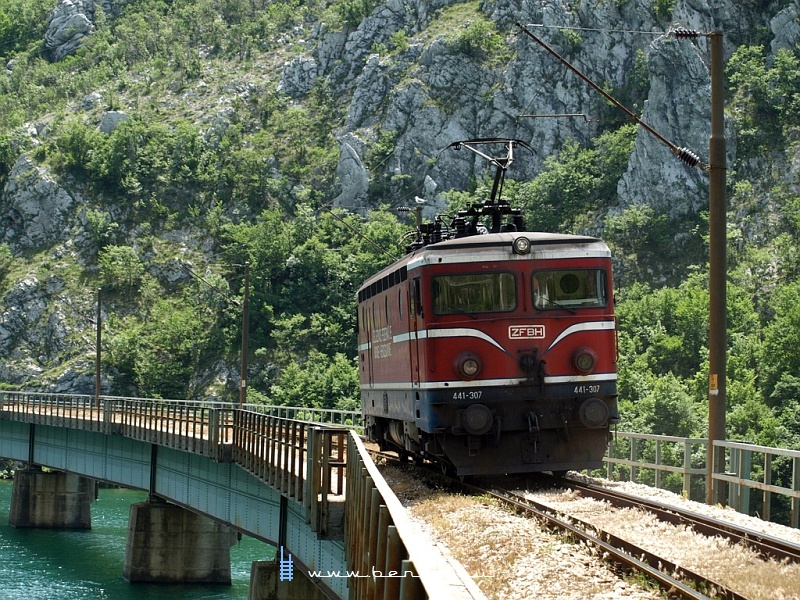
(766, 545)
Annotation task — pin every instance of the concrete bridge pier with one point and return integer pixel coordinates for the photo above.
(51, 500)
(170, 544)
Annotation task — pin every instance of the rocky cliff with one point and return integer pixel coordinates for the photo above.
(432, 92)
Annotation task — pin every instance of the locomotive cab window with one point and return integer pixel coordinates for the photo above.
(474, 293)
(578, 288)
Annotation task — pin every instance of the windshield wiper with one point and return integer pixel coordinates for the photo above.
(569, 308)
(461, 311)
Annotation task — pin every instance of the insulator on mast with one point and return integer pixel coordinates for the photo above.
(689, 157)
(684, 33)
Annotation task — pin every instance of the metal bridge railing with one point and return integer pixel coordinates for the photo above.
(351, 419)
(662, 454)
(205, 428)
(286, 447)
(743, 472)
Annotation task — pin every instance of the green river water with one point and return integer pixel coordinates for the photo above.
(38, 564)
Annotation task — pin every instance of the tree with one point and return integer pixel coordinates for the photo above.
(160, 354)
(121, 269)
(21, 22)
(168, 354)
(780, 360)
(580, 180)
(6, 33)
(478, 39)
(667, 326)
(320, 381)
(74, 145)
(765, 99)
(661, 405)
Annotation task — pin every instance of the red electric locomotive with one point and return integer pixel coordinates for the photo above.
(491, 350)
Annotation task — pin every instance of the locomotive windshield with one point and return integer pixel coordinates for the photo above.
(474, 293)
(575, 288)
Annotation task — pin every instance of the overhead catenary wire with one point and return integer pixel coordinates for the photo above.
(556, 116)
(595, 29)
(678, 32)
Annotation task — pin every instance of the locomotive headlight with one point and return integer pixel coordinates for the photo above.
(468, 365)
(521, 245)
(584, 360)
(593, 413)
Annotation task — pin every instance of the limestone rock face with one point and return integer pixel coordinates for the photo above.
(655, 176)
(352, 173)
(111, 120)
(37, 327)
(35, 207)
(786, 27)
(432, 96)
(22, 330)
(25, 304)
(433, 93)
(299, 76)
(70, 21)
(38, 314)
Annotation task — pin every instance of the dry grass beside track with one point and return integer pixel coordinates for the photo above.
(509, 556)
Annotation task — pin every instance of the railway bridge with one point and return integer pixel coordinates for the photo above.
(212, 469)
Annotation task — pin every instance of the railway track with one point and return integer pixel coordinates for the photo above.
(672, 578)
(676, 580)
(765, 545)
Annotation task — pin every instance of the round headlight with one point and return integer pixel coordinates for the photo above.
(521, 245)
(468, 366)
(584, 360)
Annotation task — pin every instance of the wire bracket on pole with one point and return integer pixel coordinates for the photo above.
(685, 155)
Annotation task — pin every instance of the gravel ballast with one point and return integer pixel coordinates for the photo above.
(510, 557)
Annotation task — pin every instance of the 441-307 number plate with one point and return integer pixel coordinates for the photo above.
(468, 395)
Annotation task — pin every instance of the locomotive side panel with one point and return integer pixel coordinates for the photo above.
(387, 349)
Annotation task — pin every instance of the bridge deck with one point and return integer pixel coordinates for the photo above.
(200, 455)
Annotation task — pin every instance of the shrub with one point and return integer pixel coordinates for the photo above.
(121, 269)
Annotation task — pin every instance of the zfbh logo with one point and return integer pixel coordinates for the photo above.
(526, 332)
